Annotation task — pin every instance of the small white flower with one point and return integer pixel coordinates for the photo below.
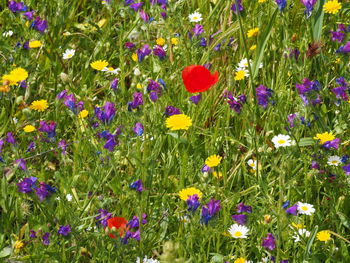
(252, 163)
(244, 63)
(305, 208)
(137, 72)
(147, 260)
(302, 233)
(69, 197)
(281, 140)
(195, 17)
(334, 160)
(111, 70)
(7, 33)
(69, 53)
(58, 198)
(238, 231)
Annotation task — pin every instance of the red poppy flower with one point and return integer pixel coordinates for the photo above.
(198, 78)
(115, 223)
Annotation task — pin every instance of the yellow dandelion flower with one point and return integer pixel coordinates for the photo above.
(213, 160)
(35, 44)
(4, 88)
(39, 105)
(324, 137)
(253, 47)
(174, 41)
(332, 7)
(261, 1)
(29, 128)
(298, 226)
(17, 75)
(178, 122)
(252, 32)
(240, 74)
(240, 260)
(139, 86)
(187, 192)
(18, 245)
(323, 236)
(99, 64)
(337, 61)
(83, 114)
(160, 41)
(134, 57)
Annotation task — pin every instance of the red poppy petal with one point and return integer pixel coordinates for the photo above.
(198, 78)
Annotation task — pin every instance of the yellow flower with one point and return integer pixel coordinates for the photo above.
(267, 218)
(240, 260)
(240, 74)
(134, 57)
(39, 105)
(262, 1)
(178, 122)
(16, 75)
(298, 226)
(213, 160)
(83, 114)
(99, 64)
(253, 47)
(253, 32)
(337, 61)
(174, 41)
(324, 235)
(332, 7)
(29, 128)
(187, 192)
(160, 41)
(139, 86)
(217, 174)
(324, 137)
(4, 88)
(102, 22)
(35, 44)
(18, 245)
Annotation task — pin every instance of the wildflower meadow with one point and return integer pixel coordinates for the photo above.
(175, 131)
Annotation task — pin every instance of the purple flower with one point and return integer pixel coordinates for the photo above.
(315, 165)
(137, 185)
(29, 15)
(346, 169)
(129, 45)
(62, 144)
(143, 52)
(27, 185)
(196, 98)
(135, 222)
(42, 191)
(62, 94)
(32, 233)
(39, 24)
(46, 239)
(340, 93)
(193, 202)
(309, 5)
(21, 164)
(16, 7)
(332, 144)
(210, 210)
(294, 53)
(237, 5)
(48, 127)
(205, 169)
(338, 36)
(244, 208)
(136, 102)
(293, 210)
(291, 118)
(281, 4)
(138, 129)
(64, 230)
(155, 89)
(171, 110)
(144, 16)
(111, 142)
(344, 49)
(10, 139)
(136, 6)
(308, 91)
(114, 84)
(198, 30)
(103, 217)
(240, 219)
(269, 242)
(263, 95)
(345, 158)
(235, 103)
(107, 114)
(159, 52)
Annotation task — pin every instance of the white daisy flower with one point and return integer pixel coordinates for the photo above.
(305, 208)
(69, 197)
(281, 140)
(69, 53)
(238, 231)
(195, 17)
(252, 163)
(302, 233)
(334, 160)
(137, 72)
(7, 33)
(244, 63)
(111, 70)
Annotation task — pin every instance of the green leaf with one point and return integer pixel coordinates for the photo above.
(306, 141)
(318, 22)
(5, 252)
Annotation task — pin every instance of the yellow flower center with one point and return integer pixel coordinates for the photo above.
(238, 234)
(304, 208)
(281, 141)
